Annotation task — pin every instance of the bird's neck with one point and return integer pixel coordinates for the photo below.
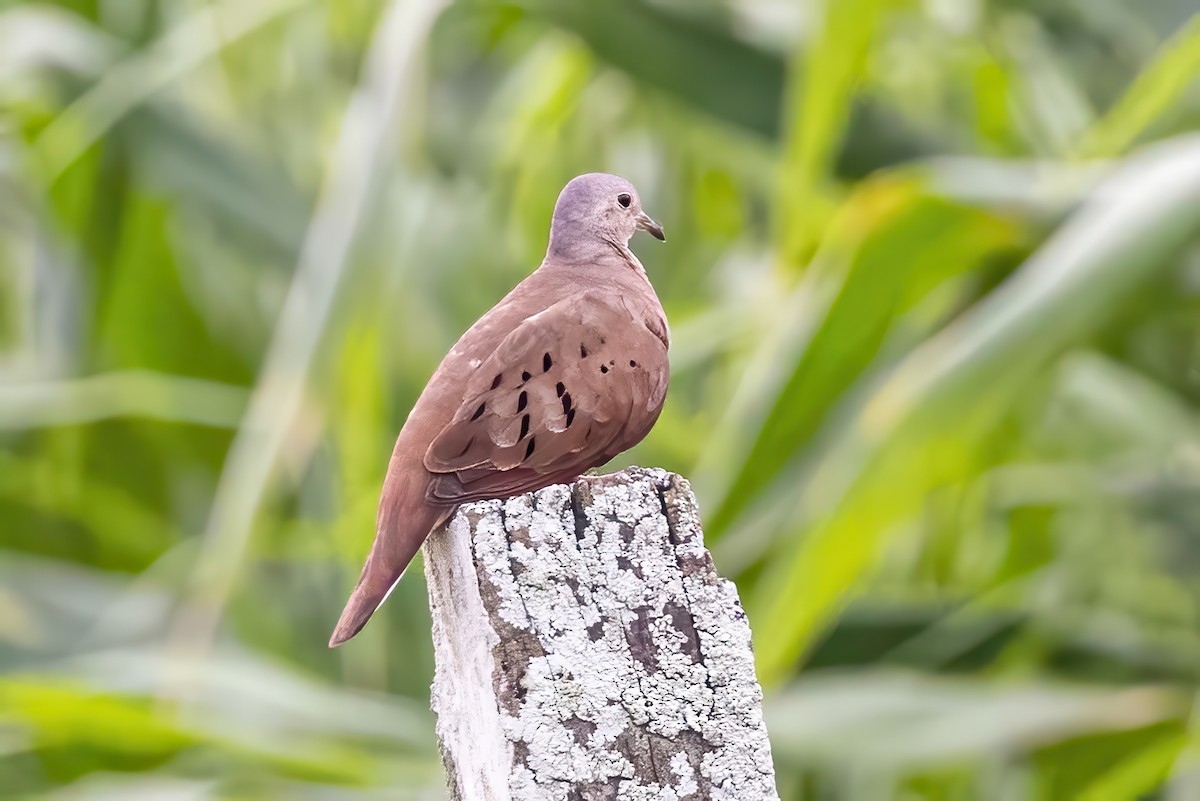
(594, 251)
(576, 250)
(629, 258)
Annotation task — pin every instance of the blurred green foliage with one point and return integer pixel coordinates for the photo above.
(934, 280)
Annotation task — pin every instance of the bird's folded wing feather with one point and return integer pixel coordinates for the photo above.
(555, 398)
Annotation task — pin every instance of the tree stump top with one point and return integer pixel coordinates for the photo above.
(587, 649)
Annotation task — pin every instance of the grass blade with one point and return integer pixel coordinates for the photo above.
(918, 430)
(1151, 95)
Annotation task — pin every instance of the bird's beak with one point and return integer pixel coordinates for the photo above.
(647, 224)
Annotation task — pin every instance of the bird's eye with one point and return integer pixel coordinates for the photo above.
(624, 199)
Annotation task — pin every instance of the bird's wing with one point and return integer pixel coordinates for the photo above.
(565, 391)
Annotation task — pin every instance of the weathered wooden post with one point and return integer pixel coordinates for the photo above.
(586, 649)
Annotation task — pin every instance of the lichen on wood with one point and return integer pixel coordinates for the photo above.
(586, 649)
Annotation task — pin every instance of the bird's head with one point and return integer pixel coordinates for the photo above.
(597, 209)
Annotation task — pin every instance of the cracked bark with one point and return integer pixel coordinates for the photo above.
(587, 650)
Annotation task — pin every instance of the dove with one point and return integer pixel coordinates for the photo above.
(565, 372)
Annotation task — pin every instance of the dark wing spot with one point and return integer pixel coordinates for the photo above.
(604, 368)
(560, 389)
(524, 427)
(496, 381)
(522, 400)
(525, 376)
(547, 362)
(632, 363)
(566, 400)
(583, 351)
(570, 417)
(478, 412)
(529, 448)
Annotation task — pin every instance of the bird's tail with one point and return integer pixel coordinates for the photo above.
(394, 547)
(366, 598)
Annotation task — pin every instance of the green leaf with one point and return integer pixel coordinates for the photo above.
(817, 109)
(1152, 94)
(919, 429)
(702, 64)
(905, 721)
(891, 244)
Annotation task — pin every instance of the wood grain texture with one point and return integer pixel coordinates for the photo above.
(586, 649)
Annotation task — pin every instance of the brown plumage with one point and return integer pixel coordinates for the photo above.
(565, 372)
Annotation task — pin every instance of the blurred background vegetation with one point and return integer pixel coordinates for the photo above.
(933, 274)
